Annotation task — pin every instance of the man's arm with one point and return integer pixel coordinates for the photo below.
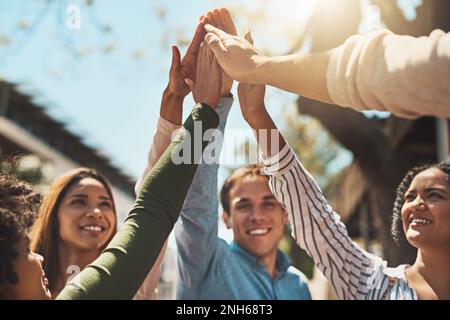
(196, 232)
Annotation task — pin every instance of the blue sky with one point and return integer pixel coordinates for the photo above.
(107, 86)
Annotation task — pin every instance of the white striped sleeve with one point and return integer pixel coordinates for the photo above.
(318, 230)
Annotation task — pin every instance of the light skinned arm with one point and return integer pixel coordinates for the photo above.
(251, 100)
(380, 71)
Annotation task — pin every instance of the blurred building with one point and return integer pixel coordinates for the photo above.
(27, 129)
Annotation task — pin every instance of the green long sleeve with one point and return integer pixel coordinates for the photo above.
(119, 271)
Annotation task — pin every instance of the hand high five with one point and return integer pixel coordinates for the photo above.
(221, 19)
(207, 86)
(185, 68)
(236, 55)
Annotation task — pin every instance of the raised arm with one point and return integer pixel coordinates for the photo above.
(197, 231)
(136, 246)
(315, 227)
(118, 272)
(171, 112)
(382, 71)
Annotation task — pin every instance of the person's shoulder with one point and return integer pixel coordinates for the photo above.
(294, 272)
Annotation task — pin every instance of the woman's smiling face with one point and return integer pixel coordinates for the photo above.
(86, 216)
(426, 210)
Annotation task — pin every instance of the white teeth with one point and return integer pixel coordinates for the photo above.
(420, 221)
(258, 232)
(92, 228)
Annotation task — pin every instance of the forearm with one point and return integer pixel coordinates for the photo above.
(171, 107)
(137, 245)
(266, 132)
(317, 229)
(302, 74)
(197, 235)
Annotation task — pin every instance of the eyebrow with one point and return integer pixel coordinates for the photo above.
(267, 197)
(436, 189)
(80, 195)
(242, 200)
(427, 190)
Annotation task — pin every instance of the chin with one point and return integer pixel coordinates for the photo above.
(416, 240)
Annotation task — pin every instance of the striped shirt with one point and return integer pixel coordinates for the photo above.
(353, 272)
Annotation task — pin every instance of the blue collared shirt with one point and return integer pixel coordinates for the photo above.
(210, 268)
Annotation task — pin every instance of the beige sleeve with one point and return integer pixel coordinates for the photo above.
(161, 140)
(407, 76)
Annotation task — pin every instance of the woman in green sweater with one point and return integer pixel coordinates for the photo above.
(118, 272)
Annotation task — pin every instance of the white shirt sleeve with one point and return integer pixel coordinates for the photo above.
(318, 230)
(407, 76)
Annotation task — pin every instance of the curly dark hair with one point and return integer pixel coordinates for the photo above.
(18, 205)
(396, 227)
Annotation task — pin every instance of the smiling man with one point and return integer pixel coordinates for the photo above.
(251, 267)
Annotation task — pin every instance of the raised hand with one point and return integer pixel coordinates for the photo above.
(207, 86)
(185, 67)
(221, 19)
(238, 58)
(181, 69)
(251, 96)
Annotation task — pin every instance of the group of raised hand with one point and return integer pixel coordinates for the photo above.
(376, 71)
(199, 71)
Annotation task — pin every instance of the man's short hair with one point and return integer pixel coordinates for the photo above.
(253, 170)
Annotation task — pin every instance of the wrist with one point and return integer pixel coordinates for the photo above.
(172, 107)
(212, 104)
(170, 95)
(256, 116)
(261, 69)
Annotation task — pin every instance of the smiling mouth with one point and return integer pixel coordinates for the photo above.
(420, 221)
(258, 232)
(92, 228)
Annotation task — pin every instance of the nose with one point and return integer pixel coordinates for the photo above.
(95, 213)
(257, 215)
(418, 204)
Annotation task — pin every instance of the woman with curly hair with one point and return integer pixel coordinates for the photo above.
(18, 204)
